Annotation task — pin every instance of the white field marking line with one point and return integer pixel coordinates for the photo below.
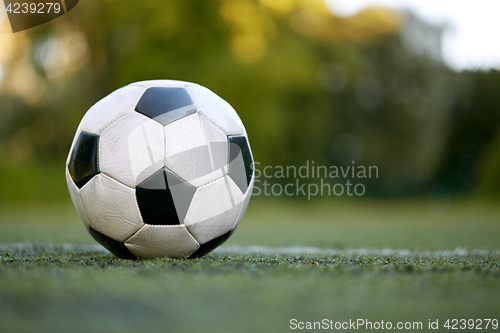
(301, 250)
(48, 247)
(264, 250)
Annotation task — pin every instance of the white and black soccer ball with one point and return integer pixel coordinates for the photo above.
(160, 169)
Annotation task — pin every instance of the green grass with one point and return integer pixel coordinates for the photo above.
(53, 279)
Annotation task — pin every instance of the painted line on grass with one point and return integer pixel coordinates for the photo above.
(45, 247)
(301, 250)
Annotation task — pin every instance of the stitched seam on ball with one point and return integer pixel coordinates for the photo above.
(135, 233)
(83, 207)
(135, 198)
(79, 197)
(84, 212)
(172, 171)
(165, 225)
(190, 234)
(213, 122)
(165, 146)
(117, 106)
(228, 143)
(202, 125)
(104, 173)
(162, 86)
(213, 181)
(228, 154)
(165, 160)
(201, 112)
(140, 214)
(97, 157)
(137, 102)
(123, 115)
(192, 98)
(239, 212)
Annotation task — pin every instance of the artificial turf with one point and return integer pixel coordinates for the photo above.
(315, 261)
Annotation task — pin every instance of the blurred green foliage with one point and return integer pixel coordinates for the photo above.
(308, 85)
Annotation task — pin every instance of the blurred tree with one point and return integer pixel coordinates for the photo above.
(472, 147)
(489, 168)
(261, 56)
(393, 111)
(307, 84)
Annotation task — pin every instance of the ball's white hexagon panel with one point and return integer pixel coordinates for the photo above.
(246, 199)
(161, 83)
(217, 110)
(74, 192)
(110, 108)
(111, 207)
(131, 149)
(217, 145)
(195, 149)
(153, 241)
(214, 209)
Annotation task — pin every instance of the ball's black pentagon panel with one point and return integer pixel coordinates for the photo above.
(210, 245)
(84, 164)
(164, 198)
(182, 193)
(240, 161)
(155, 200)
(117, 248)
(166, 104)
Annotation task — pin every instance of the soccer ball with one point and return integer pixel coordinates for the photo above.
(160, 169)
